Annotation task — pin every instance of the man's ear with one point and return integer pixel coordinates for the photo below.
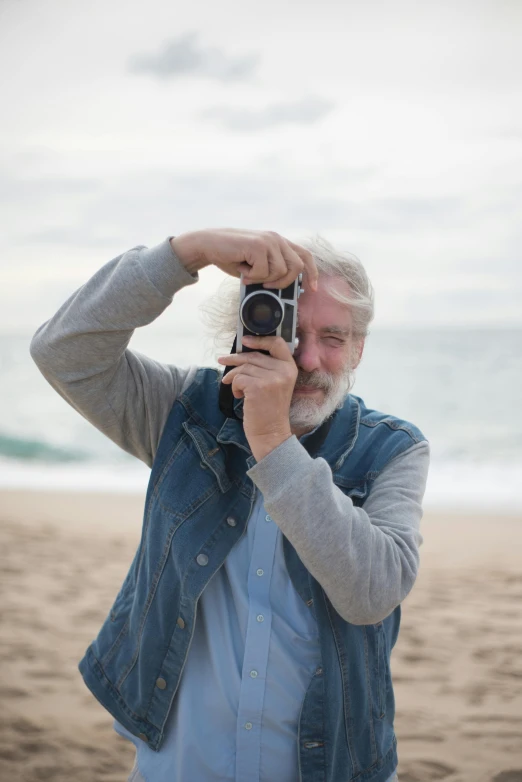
(357, 352)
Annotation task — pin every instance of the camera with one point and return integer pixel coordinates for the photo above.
(268, 312)
(262, 312)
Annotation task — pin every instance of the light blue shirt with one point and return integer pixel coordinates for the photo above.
(254, 650)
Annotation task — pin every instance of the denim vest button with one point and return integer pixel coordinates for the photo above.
(231, 521)
(180, 623)
(143, 737)
(161, 684)
(202, 559)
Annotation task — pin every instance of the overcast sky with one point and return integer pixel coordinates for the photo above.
(393, 129)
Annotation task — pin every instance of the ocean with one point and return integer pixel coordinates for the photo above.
(461, 387)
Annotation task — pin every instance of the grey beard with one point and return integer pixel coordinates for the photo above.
(308, 413)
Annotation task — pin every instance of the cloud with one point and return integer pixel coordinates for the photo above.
(184, 56)
(419, 279)
(37, 209)
(421, 243)
(406, 215)
(509, 134)
(141, 204)
(70, 236)
(306, 111)
(30, 188)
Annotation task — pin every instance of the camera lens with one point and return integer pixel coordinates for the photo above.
(261, 313)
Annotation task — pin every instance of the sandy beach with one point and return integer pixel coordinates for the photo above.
(457, 666)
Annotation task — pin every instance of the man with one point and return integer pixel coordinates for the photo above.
(251, 638)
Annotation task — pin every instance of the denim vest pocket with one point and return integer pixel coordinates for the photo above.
(122, 603)
(116, 625)
(186, 482)
(125, 596)
(118, 618)
(212, 455)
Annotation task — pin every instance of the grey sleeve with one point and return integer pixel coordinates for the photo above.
(366, 559)
(82, 350)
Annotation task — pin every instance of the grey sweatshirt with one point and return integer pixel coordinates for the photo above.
(366, 559)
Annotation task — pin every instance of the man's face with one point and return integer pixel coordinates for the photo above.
(326, 355)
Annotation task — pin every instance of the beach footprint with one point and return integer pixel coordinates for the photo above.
(513, 775)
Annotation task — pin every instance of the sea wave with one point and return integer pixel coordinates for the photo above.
(29, 450)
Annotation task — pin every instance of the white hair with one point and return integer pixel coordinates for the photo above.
(220, 311)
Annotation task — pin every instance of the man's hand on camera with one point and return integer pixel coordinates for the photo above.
(266, 383)
(261, 256)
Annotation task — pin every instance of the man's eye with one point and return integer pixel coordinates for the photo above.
(335, 341)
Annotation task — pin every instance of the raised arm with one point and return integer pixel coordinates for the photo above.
(82, 351)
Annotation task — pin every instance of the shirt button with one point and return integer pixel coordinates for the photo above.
(231, 521)
(202, 559)
(248, 725)
(180, 623)
(268, 518)
(260, 618)
(260, 572)
(161, 683)
(253, 674)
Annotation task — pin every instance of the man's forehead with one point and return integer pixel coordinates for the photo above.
(328, 290)
(325, 312)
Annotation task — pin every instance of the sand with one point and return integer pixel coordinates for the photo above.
(457, 665)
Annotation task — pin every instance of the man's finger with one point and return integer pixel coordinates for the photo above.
(312, 275)
(293, 266)
(258, 261)
(278, 264)
(276, 346)
(275, 265)
(257, 359)
(245, 369)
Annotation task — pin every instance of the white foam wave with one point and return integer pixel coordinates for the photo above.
(131, 478)
(457, 486)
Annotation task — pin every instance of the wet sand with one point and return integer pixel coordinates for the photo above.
(457, 665)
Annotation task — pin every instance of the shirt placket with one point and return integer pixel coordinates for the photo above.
(257, 643)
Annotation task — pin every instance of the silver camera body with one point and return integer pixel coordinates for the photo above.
(268, 312)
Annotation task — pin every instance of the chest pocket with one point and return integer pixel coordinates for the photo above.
(212, 455)
(194, 472)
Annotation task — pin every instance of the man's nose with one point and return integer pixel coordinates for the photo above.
(306, 355)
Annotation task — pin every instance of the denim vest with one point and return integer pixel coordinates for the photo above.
(198, 503)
